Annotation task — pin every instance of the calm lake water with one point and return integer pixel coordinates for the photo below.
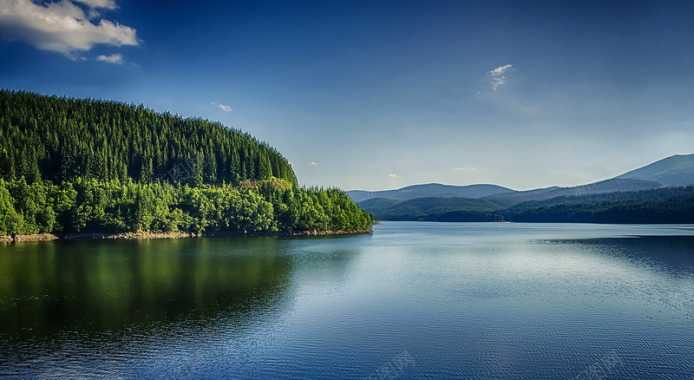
(410, 301)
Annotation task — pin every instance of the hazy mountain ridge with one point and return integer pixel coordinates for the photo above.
(607, 186)
(673, 171)
(651, 183)
(662, 194)
(422, 208)
(430, 190)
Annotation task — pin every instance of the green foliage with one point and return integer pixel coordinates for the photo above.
(60, 140)
(8, 215)
(90, 205)
(69, 165)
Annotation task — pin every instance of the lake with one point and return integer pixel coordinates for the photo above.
(411, 300)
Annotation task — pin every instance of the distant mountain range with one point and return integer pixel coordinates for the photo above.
(672, 172)
(430, 190)
(491, 202)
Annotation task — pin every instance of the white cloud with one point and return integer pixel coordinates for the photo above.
(312, 164)
(465, 169)
(223, 107)
(498, 82)
(498, 77)
(500, 70)
(94, 4)
(393, 176)
(113, 58)
(107, 4)
(62, 26)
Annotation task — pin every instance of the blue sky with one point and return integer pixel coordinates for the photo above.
(383, 94)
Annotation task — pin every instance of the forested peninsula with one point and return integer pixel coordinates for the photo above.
(82, 166)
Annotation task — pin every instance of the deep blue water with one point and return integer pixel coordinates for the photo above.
(410, 301)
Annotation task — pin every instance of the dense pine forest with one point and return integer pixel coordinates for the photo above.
(70, 165)
(59, 139)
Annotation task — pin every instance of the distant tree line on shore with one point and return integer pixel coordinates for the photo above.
(668, 205)
(625, 212)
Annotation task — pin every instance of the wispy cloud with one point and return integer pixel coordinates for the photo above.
(113, 58)
(498, 76)
(465, 169)
(393, 176)
(498, 82)
(106, 4)
(500, 70)
(96, 4)
(223, 107)
(63, 26)
(312, 164)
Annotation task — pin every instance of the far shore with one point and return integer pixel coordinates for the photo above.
(171, 235)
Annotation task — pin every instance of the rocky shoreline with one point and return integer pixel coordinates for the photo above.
(170, 235)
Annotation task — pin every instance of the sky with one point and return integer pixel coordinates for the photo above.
(378, 95)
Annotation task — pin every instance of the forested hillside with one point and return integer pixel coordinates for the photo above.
(429, 208)
(666, 205)
(61, 139)
(669, 205)
(71, 166)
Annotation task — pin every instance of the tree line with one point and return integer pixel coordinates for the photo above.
(89, 205)
(674, 210)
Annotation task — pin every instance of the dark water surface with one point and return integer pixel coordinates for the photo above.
(411, 300)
